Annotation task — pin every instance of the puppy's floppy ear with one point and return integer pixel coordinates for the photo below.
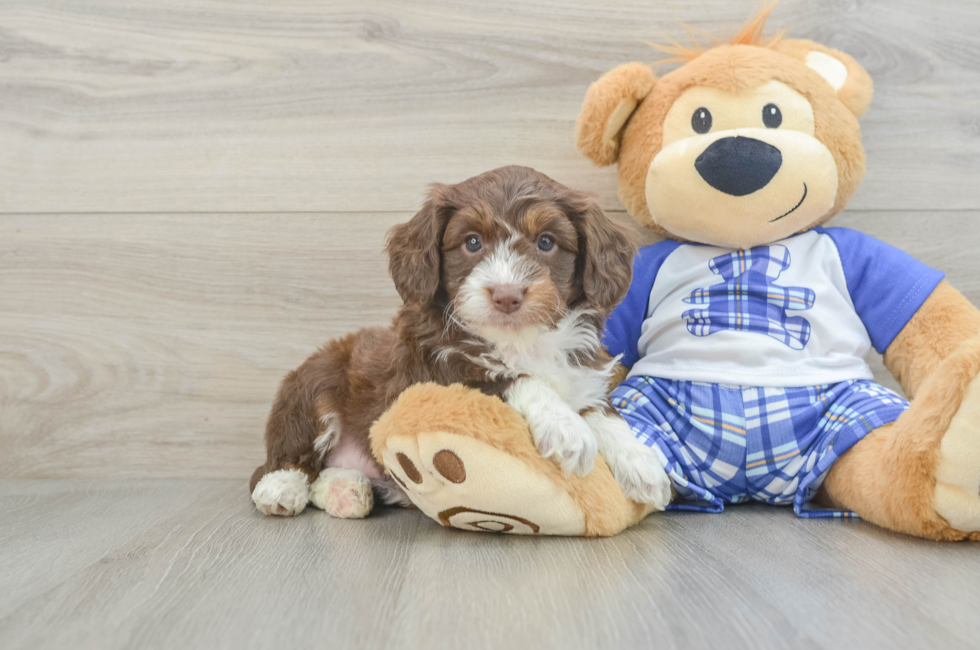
(850, 81)
(608, 104)
(414, 250)
(606, 250)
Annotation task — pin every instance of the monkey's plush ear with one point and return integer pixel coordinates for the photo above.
(609, 103)
(850, 81)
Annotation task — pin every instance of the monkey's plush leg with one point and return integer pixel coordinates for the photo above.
(467, 460)
(921, 474)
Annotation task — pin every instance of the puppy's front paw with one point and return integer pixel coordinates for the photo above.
(559, 433)
(642, 477)
(343, 493)
(564, 437)
(284, 492)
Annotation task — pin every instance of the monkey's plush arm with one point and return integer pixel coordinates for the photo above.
(944, 321)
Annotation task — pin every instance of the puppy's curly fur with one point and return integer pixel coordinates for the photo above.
(564, 265)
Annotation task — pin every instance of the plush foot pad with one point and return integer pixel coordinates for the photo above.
(957, 496)
(343, 493)
(464, 483)
(283, 493)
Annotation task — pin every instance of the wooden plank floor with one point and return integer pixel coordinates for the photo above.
(190, 564)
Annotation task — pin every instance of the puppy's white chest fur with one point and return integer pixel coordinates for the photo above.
(550, 355)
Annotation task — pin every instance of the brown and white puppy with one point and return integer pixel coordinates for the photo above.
(506, 279)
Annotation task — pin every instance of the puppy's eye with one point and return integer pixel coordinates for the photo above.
(473, 243)
(546, 243)
(701, 120)
(772, 117)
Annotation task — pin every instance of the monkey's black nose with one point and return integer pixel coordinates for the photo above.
(738, 165)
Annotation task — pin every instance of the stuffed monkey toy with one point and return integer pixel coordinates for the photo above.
(744, 331)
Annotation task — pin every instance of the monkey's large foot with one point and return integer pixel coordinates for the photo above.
(957, 496)
(467, 460)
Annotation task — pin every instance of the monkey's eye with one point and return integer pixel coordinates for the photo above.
(701, 120)
(473, 243)
(772, 117)
(546, 243)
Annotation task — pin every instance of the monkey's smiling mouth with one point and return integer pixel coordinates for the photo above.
(802, 199)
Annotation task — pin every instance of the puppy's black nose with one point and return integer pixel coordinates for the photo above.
(507, 298)
(738, 165)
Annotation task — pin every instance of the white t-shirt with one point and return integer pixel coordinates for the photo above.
(803, 311)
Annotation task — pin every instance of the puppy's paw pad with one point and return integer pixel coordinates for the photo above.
(343, 493)
(282, 493)
(644, 480)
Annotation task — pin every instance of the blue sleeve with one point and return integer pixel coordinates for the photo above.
(623, 325)
(887, 285)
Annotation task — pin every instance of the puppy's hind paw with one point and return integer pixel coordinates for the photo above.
(283, 493)
(343, 493)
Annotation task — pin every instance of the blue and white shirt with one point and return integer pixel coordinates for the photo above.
(802, 311)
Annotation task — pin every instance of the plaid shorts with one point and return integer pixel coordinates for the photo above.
(735, 443)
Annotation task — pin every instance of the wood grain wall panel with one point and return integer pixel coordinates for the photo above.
(152, 345)
(252, 106)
